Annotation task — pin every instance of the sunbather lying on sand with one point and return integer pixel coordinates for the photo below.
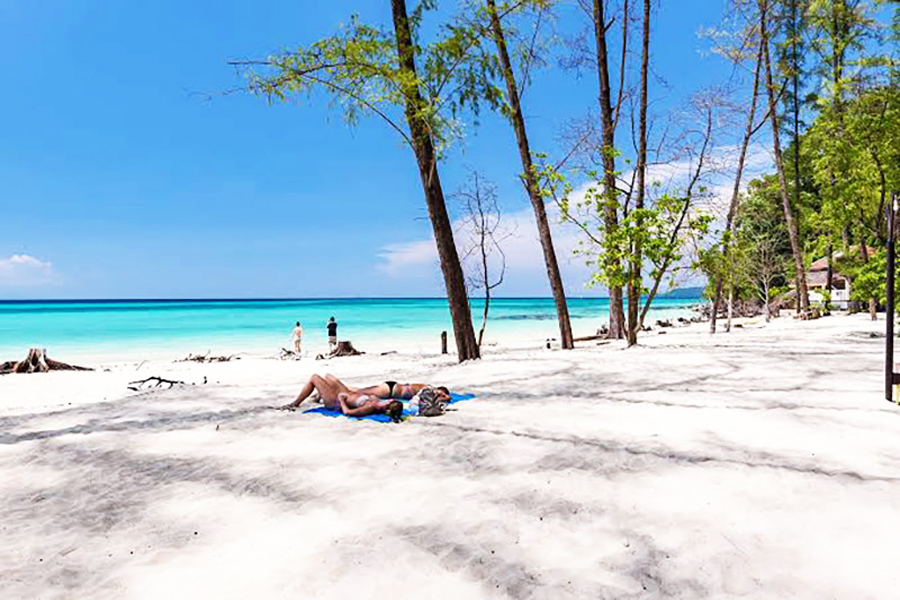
(364, 401)
(335, 395)
(355, 404)
(403, 391)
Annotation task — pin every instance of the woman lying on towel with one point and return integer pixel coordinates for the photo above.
(403, 391)
(335, 395)
(375, 399)
(355, 404)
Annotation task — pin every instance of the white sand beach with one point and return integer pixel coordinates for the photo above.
(759, 464)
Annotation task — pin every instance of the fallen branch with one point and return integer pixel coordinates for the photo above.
(37, 362)
(206, 358)
(140, 383)
(285, 354)
(589, 338)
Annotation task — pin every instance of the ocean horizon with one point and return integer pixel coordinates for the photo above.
(107, 329)
(292, 299)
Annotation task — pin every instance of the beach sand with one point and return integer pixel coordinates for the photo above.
(763, 463)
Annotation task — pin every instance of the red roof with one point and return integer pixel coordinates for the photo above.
(822, 263)
(819, 279)
(819, 265)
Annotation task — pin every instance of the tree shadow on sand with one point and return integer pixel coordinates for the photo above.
(499, 565)
(608, 457)
(104, 492)
(139, 412)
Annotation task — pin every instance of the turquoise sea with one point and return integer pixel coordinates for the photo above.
(128, 329)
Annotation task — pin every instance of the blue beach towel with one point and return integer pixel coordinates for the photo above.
(408, 411)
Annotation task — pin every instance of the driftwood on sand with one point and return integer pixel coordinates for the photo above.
(206, 358)
(286, 354)
(342, 349)
(589, 338)
(152, 382)
(37, 362)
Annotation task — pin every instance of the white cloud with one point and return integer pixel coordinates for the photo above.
(398, 260)
(526, 272)
(21, 270)
(523, 248)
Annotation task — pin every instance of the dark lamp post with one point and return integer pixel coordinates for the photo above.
(890, 377)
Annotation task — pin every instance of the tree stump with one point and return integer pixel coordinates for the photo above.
(345, 349)
(342, 349)
(37, 362)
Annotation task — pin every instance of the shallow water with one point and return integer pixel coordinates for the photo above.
(162, 328)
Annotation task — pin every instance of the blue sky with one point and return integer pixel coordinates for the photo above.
(121, 178)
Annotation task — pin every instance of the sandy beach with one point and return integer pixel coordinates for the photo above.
(763, 463)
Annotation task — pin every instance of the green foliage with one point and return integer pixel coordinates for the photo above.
(854, 158)
(761, 212)
(473, 25)
(839, 31)
(850, 162)
(359, 71)
(758, 262)
(850, 153)
(664, 229)
(870, 278)
(357, 67)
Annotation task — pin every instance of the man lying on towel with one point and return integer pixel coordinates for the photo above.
(382, 398)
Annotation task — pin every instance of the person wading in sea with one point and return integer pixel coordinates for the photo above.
(332, 334)
(297, 338)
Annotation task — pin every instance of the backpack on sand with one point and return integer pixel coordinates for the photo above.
(429, 404)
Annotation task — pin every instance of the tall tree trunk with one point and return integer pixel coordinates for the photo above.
(482, 246)
(792, 226)
(795, 80)
(730, 308)
(423, 145)
(839, 32)
(635, 281)
(880, 221)
(736, 193)
(528, 178)
(484, 316)
(611, 204)
(864, 253)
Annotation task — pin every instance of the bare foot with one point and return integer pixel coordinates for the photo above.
(313, 398)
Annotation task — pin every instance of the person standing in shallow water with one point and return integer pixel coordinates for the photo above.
(297, 337)
(332, 334)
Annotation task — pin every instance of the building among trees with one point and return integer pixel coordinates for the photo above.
(817, 282)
